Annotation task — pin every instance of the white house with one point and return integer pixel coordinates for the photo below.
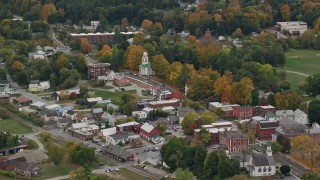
(69, 113)
(300, 116)
(108, 117)
(121, 137)
(262, 164)
(140, 114)
(285, 114)
(154, 157)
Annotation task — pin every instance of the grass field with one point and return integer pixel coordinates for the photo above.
(14, 127)
(304, 61)
(115, 97)
(129, 174)
(294, 80)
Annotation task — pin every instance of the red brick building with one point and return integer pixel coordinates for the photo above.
(98, 69)
(234, 140)
(264, 130)
(128, 127)
(147, 131)
(98, 37)
(262, 110)
(243, 112)
(120, 80)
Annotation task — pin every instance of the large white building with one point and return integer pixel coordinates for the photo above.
(144, 68)
(293, 27)
(262, 164)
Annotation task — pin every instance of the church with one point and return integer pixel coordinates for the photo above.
(144, 68)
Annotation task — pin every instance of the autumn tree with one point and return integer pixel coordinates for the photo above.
(17, 66)
(160, 65)
(56, 154)
(47, 10)
(80, 154)
(138, 39)
(201, 88)
(285, 12)
(105, 55)
(314, 112)
(147, 25)
(189, 123)
(222, 86)
(173, 73)
(133, 57)
(241, 91)
(287, 100)
(305, 147)
(317, 25)
(85, 46)
(124, 22)
(158, 26)
(237, 33)
(62, 62)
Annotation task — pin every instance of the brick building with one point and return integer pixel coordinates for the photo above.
(243, 112)
(264, 130)
(147, 131)
(120, 80)
(234, 140)
(263, 110)
(128, 127)
(97, 69)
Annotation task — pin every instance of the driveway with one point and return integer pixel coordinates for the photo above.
(34, 137)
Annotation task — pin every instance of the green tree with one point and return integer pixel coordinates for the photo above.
(80, 154)
(313, 84)
(184, 175)
(275, 146)
(189, 123)
(205, 137)
(285, 143)
(84, 90)
(160, 64)
(314, 112)
(45, 136)
(172, 153)
(285, 169)
(162, 127)
(56, 154)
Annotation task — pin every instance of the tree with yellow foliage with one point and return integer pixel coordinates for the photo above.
(124, 22)
(173, 73)
(17, 66)
(222, 86)
(62, 62)
(160, 64)
(133, 57)
(147, 25)
(85, 46)
(105, 51)
(47, 10)
(241, 91)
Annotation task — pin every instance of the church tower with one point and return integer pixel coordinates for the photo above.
(269, 150)
(145, 59)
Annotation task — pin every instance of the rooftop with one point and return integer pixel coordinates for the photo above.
(235, 135)
(128, 124)
(147, 127)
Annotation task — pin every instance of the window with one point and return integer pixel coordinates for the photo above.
(264, 169)
(259, 170)
(269, 169)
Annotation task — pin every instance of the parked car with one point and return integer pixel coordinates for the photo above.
(101, 164)
(107, 171)
(122, 89)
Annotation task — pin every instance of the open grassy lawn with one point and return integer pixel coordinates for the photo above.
(115, 97)
(304, 61)
(129, 174)
(294, 80)
(14, 127)
(5, 178)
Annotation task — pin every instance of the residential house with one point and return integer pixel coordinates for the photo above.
(64, 122)
(169, 109)
(118, 153)
(301, 117)
(293, 27)
(140, 114)
(263, 110)
(207, 39)
(173, 119)
(10, 164)
(99, 37)
(40, 86)
(113, 107)
(110, 75)
(234, 140)
(66, 94)
(84, 131)
(120, 80)
(243, 112)
(147, 131)
(37, 104)
(264, 130)
(50, 115)
(107, 132)
(164, 103)
(81, 118)
(97, 69)
(288, 114)
(121, 138)
(69, 114)
(97, 113)
(27, 169)
(154, 158)
(128, 127)
(182, 112)
(4, 98)
(226, 108)
(60, 109)
(289, 128)
(108, 117)
(22, 101)
(262, 164)
(94, 100)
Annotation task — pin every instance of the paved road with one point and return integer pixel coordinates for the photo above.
(35, 139)
(296, 168)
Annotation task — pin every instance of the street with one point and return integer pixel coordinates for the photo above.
(296, 168)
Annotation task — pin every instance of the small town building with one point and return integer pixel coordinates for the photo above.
(66, 94)
(147, 131)
(121, 138)
(38, 104)
(27, 169)
(4, 98)
(50, 115)
(60, 109)
(140, 114)
(289, 129)
(169, 109)
(39, 86)
(264, 130)
(84, 131)
(120, 80)
(97, 69)
(64, 122)
(173, 119)
(128, 127)
(263, 110)
(97, 113)
(182, 112)
(69, 114)
(113, 107)
(118, 153)
(262, 164)
(164, 103)
(154, 158)
(145, 67)
(226, 108)
(243, 112)
(301, 117)
(235, 141)
(22, 101)
(10, 164)
(293, 27)
(287, 114)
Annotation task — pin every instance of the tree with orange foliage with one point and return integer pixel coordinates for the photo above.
(317, 25)
(62, 62)
(124, 22)
(222, 86)
(17, 66)
(85, 46)
(133, 57)
(105, 51)
(241, 91)
(158, 26)
(47, 10)
(147, 25)
(285, 12)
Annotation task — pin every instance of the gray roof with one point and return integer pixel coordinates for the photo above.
(263, 160)
(117, 151)
(70, 112)
(119, 136)
(153, 155)
(235, 135)
(269, 124)
(183, 111)
(13, 161)
(64, 120)
(97, 110)
(291, 127)
(270, 114)
(50, 113)
(27, 166)
(284, 113)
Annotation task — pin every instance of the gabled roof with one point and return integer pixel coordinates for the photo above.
(79, 125)
(284, 113)
(119, 136)
(266, 125)
(174, 118)
(38, 104)
(117, 151)
(263, 160)
(97, 110)
(13, 161)
(153, 155)
(64, 120)
(298, 113)
(50, 113)
(235, 135)
(109, 131)
(27, 166)
(70, 112)
(119, 77)
(22, 99)
(147, 127)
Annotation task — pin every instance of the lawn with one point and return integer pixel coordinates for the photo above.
(115, 97)
(14, 127)
(294, 80)
(130, 174)
(304, 61)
